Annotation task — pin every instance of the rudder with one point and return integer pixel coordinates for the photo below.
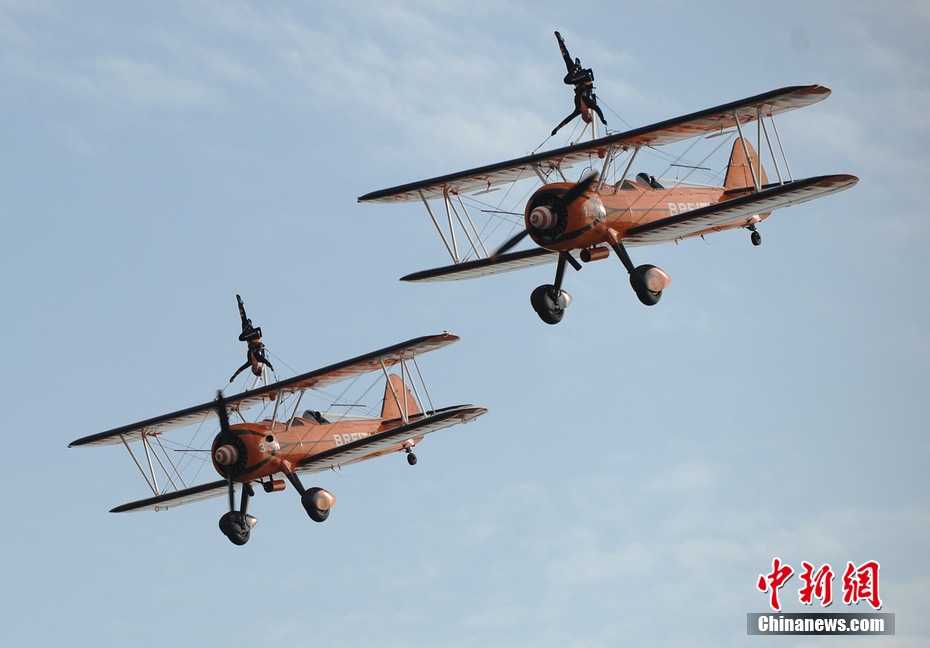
(739, 175)
(397, 396)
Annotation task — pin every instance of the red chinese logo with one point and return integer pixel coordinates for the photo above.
(859, 583)
(773, 581)
(819, 585)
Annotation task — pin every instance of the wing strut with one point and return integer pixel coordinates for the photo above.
(752, 171)
(429, 399)
(474, 229)
(174, 469)
(145, 476)
(453, 216)
(781, 148)
(413, 385)
(768, 143)
(438, 228)
(403, 410)
(150, 476)
(296, 409)
(762, 131)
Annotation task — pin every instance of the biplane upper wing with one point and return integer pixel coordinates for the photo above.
(339, 456)
(703, 122)
(338, 372)
(737, 212)
(383, 441)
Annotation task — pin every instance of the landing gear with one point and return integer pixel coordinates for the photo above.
(312, 500)
(549, 300)
(237, 526)
(640, 283)
(411, 458)
(754, 236)
(317, 502)
(550, 303)
(647, 281)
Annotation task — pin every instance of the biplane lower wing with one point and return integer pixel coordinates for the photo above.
(339, 456)
(176, 498)
(374, 361)
(737, 212)
(487, 266)
(383, 441)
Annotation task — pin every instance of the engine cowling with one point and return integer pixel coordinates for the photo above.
(549, 222)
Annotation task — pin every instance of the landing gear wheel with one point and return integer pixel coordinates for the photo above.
(234, 527)
(411, 458)
(549, 303)
(315, 514)
(638, 282)
(756, 238)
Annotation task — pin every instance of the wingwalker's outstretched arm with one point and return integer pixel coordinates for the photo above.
(252, 335)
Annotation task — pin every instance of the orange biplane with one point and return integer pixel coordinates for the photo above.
(287, 444)
(587, 219)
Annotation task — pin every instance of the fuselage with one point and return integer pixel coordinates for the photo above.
(254, 451)
(605, 215)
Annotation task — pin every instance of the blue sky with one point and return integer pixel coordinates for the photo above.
(639, 467)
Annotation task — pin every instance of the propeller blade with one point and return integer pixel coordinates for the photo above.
(221, 412)
(511, 242)
(223, 415)
(573, 193)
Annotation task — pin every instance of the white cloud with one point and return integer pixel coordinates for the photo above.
(117, 80)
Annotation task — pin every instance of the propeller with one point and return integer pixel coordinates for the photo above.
(223, 415)
(236, 524)
(573, 193)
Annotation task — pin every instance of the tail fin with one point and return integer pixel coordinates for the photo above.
(738, 174)
(398, 400)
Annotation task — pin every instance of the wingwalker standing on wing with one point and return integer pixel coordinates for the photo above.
(252, 335)
(583, 80)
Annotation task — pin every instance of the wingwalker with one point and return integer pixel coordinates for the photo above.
(277, 450)
(587, 219)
